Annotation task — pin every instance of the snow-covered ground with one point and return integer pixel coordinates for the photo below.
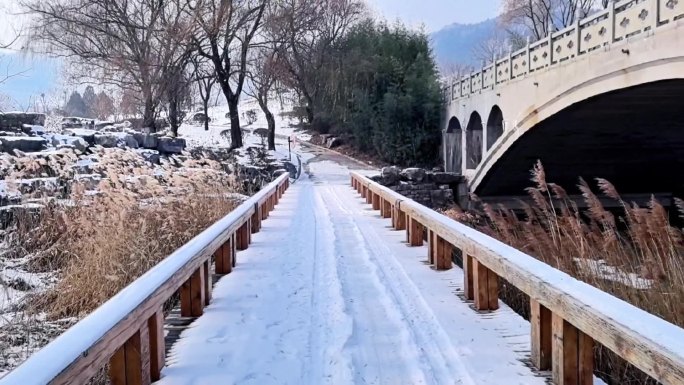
(218, 135)
(328, 293)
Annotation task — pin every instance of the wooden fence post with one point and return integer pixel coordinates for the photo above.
(233, 249)
(400, 222)
(540, 322)
(130, 364)
(387, 212)
(431, 241)
(572, 354)
(192, 295)
(486, 287)
(468, 284)
(223, 258)
(207, 282)
(376, 202)
(415, 233)
(256, 219)
(443, 253)
(369, 196)
(242, 237)
(155, 325)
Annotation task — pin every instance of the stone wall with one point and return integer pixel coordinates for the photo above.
(434, 189)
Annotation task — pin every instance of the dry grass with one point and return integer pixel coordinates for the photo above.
(641, 249)
(100, 243)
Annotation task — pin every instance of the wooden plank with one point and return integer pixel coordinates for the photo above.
(408, 229)
(400, 223)
(586, 359)
(233, 250)
(157, 345)
(432, 249)
(387, 213)
(197, 293)
(242, 241)
(443, 256)
(369, 197)
(468, 283)
(142, 356)
(416, 236)
(256, 222)
(130, 365)
(186, 298)
(485, 287)
(480, 285)
(492, 290)
(207, 283)
(376, 202)
(572, 361)
(117, 367)
(222, 257)
(540, 323)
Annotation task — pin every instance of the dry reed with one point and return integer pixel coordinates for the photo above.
(633, 253)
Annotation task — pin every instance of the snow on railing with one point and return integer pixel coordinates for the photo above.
(567, 315)
(622, 20)
(127, 331)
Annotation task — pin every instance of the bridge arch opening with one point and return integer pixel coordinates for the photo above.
(453, 153)
(474, 141)
(495, 125)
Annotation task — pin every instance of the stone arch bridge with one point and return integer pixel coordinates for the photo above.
(601, 98)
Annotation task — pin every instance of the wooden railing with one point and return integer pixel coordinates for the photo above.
(622, 20)
(567, 316)
(127, 331)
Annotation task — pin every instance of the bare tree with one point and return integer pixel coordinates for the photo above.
(225, 36)
(204, 76)
(128, 44)
(539, 17)
(311, 27)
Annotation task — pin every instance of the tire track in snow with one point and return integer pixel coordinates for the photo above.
(439, 357)
(330, 325)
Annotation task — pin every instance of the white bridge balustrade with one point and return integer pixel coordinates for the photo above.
(632, 43)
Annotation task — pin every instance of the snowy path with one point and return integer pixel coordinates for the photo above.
(329, 294)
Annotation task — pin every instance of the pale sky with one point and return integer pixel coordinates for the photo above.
(40, 75)
(435, 14)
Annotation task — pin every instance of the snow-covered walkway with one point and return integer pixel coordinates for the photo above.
(328, 293)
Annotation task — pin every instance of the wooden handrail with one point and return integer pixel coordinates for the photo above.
(131, 322)
(567, 315)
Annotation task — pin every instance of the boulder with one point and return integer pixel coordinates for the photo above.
(414, 174)
(86, 134)
(151, 156)
(89, 181)
(14, 121)
(78, 143)
(441, 198)
(85, 165)
(146, 140)
(22, 143)
(168, 145)
(445, 177)
(389, 176)
(125, 140)
(106, 140)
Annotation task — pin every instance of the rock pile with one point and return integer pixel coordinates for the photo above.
(24, 132)
(434, 189)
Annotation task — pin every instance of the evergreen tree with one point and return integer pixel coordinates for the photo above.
(383, 94)
(76, 106)
(89, 98)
